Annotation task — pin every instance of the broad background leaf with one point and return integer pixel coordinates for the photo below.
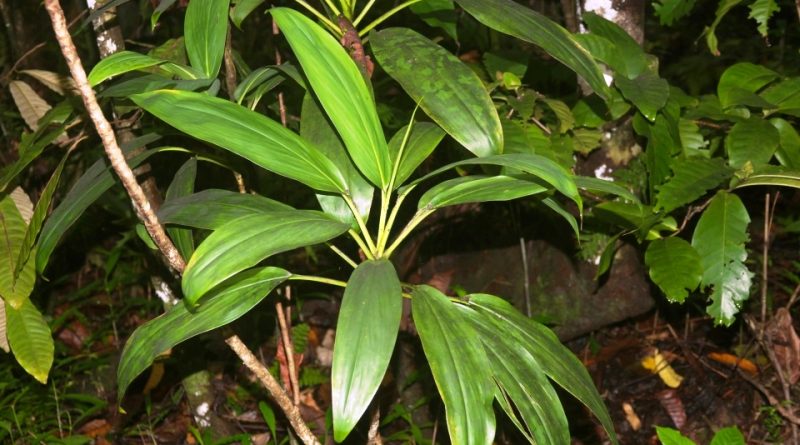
(691, 179)
(674, 266)
(205, 27)
(30, 340)
(182, 185)
(754, 140)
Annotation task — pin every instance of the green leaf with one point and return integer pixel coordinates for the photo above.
(723, 8)
(561, 211)
(785, 95)
(601, 186)
(565, 119)
(720, 238)
(459, 366)
(163, 5)
(422, 140)
(223, 305)
(120, 63)
(754, 140)
(557, 362)
(210, 209)
(242, 9)
(341, 89)
(728, 436)
(446, 89)
(788, 153)
(524, 23)
(669, 436)
(691, 179)
(607, 256)
(535, 165)
(244, 242)
(92, 184)
(30, 339)
(205, 28)
(438, 14)
(317, 129)
(37, 220)
(521, 379)
(245, 133)
(365, 337)
(761, 11)
(182, 185)
(633, 57)
(674, 266)
(255, 79)
(478, 189)
(772, 178)
(14, 290)
(648, 92)
(670, 10)
(739, 83)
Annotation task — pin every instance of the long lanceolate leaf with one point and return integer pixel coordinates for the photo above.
(183, 185)
(520, 378)
(365, 338)
(720, 238)
(479, 189)
(246, 133)
(449, 92)
(14, 288)
(205, 28)
(212, 208)
(458, 363)
(342, 91)
(523, 23)
(30, 339)
(244, 242)
(232, 300)
(557, 362)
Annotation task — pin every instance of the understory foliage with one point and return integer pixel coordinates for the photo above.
(369, 181)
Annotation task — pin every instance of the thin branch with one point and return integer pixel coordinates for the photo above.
(148, 217)
(284, 324)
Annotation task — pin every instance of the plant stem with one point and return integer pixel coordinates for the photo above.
(393, 215)
(361, 244)
(325, 21)
(317, 279)
(149, 218)
(385, 16)
(342, 255)
(372, 248)
(363, 12)
(382, 229)
(418, 218)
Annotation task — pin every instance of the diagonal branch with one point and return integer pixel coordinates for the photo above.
(148, 217)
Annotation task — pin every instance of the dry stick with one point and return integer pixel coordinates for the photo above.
(764, 265)
(374, 433)
(284, 321)
(230, 85)
(149, 218)
(281, 104)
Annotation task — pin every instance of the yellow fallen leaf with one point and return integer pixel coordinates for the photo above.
(657, 364)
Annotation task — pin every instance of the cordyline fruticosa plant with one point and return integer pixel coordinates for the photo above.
(480, 349)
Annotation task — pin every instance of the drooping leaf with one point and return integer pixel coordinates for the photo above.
(754, 140)
(674, 266)
(536, 165)
(601, 186)
(210, 209)
(557, 362)
(761, 11)
(30, 339)
(446, 89)
(691, 179)
(438, 14)
(317, 129)
(118, 63)
(524, 23)
(30, 105)
(163, 5)
(58, 83)
(670, 10)
(562, 212)
(242, 9)
(772, 177)
(522, 380)
(255, 79)
(244, 242)
(720, 238)
(341, 89)
(14, 290)
(785, 96)
(648, 92)
(205, 28)
(479, 189)
(365, 336)
(788, 153)
(634, 59)
(223, 305)
(422, 140)
(37, 220)
(245, 133)
(459, 366)
(182, 185)
(723, 8)
(739, 83)
(607, 256)
(92, 184)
